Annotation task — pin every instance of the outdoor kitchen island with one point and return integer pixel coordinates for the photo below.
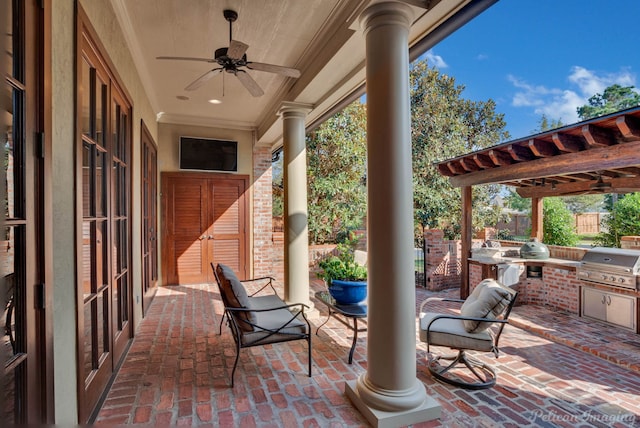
(555, 283)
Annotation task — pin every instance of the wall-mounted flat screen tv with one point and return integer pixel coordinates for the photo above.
(208, 154)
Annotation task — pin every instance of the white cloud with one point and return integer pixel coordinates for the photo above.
(435, 60)
(562, 103)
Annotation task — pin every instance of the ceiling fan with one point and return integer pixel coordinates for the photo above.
(233, 60)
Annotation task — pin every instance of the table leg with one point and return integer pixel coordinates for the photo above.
(355, 338)
(326, 321)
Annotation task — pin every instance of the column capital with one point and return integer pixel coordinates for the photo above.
(293, 109)
(386, 13)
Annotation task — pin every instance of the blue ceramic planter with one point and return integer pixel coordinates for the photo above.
(348, 292)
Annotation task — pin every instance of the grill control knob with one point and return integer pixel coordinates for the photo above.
(621, 280)
(604, 276)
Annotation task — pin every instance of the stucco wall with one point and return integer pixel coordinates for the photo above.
(168, 158)
(64, 294)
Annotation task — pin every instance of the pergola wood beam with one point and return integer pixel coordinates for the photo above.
(469, 164)
(629, 126)
(500, 158)
(597, 136)
(445, 169)
(483, 161)
(541, 148)
(618, 185)
(567, 143)
(612, 157)
(519, 153)
(456, 168)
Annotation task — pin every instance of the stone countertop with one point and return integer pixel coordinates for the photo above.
(536, 262)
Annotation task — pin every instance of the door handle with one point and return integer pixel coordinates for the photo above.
(210, 236)
(202, 237)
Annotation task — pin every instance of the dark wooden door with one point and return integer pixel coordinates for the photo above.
(24, 348)
(104, 129)
(205, 217)
(149, 218)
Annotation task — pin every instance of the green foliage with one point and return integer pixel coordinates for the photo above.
(558, 223)
(546, 124)
(342, 266)
(613, 99)
(277, 188)
(517, 202)
(336, 156)
(623, 220)
(445, 125)
(584, 203)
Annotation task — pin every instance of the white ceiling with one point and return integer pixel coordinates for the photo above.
(321, 38)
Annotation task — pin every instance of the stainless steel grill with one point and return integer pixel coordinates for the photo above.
(611, 266)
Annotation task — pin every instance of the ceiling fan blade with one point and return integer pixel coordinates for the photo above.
(186, 58)
(236, 49)
(285, 71)
(249, 83)
(200, 80)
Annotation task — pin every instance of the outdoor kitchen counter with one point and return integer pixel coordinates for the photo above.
(552, 262)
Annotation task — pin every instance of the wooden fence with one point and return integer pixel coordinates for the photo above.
(586, 223)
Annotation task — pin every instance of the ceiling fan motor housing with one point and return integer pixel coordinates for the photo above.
(229, 64)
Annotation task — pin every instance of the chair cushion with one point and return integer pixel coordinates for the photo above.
(488, 300)
(453, 334)
(236, 296)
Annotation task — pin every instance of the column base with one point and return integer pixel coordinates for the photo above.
(430, 409)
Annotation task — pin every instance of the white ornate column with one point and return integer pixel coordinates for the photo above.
(389, 393)
(296, 237)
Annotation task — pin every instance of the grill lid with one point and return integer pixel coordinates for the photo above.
(613, 258)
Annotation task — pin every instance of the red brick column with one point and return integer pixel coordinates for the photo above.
(262, 213)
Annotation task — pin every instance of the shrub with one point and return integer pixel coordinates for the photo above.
(624, 220)
(558, 223)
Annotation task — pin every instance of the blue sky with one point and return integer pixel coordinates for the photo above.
(535, 57)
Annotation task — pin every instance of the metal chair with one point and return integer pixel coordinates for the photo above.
(466, 332)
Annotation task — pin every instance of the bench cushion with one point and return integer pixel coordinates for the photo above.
(453, 334)
(488, 300)
(272, 320)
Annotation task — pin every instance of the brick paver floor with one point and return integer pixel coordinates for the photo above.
(177, 372)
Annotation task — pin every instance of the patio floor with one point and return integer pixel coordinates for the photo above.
(177, 373)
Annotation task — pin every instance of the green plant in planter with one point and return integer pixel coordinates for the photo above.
(342, 266)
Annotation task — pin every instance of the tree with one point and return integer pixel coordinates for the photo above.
(336, 170)
(517, 202)
(445, 125)
(558, 223)
(614, 98)
(546, 124)
(584, 203)
(623, 220)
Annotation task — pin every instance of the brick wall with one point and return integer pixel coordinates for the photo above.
(442, 261)
(277, 270)
(630, 242)
(558, 289)
(316, 253)
(263, 248)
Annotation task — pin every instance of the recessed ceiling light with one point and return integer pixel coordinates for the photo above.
(182, 97)
(214, 101)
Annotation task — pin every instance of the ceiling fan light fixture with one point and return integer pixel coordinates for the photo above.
(600, 184)
(233, 60)
(215, 101)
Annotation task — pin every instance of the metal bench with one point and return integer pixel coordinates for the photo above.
(256, 320)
